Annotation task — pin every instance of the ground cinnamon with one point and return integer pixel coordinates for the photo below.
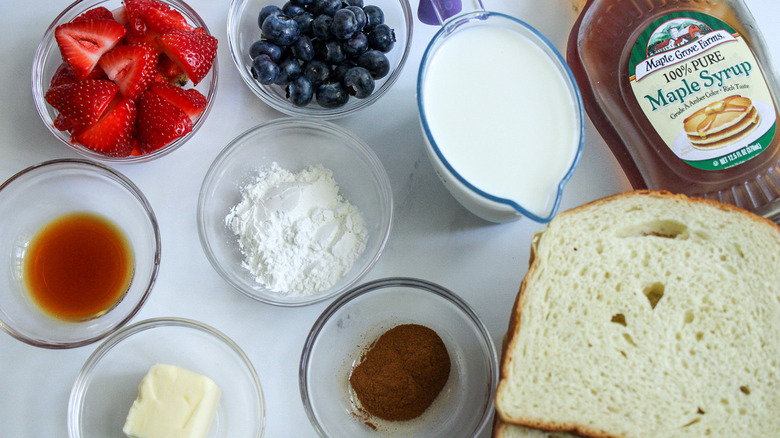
(401, 374)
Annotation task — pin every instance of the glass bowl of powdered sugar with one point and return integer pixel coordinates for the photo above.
(294, 211)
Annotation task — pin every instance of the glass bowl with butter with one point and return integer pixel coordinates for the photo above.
(111, 379)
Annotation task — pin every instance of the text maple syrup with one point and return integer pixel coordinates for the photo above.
(646, 66)
(78, 267)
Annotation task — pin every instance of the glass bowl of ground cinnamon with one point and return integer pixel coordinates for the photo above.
(398, 357)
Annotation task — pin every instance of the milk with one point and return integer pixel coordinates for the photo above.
(510, 130)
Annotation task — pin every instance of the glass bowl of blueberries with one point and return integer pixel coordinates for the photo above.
(319, 58)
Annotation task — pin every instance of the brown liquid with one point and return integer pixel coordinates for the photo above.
(78, 266)
(598, 51)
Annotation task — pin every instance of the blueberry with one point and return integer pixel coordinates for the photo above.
(266, 12)
(316, 72)
(331, 95)
(327, 7)
(344, 24)
(358, 3)
(292, 10)
(264, 70)
(261, 47)
(356, 45)
(304, 20)
(330, 52)
(338, 72)
(374, 16)
(302, 3)
(320, 27)
(358, 82)
(299, 91)
(375, 62)
(381, 38)
(280, 30)
(303, 49)
(359, 15)
(289, 69)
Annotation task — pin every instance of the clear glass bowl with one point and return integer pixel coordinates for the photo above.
(353, 321)
(48, 58)
(243, 30)
(108, 382)
(294, 144)
(34, 197)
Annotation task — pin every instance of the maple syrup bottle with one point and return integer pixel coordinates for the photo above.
(683, 93)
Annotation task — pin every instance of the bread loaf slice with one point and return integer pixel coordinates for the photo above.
(504, 430)
(648, 314)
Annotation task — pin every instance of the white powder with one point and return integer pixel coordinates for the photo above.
(297, 234)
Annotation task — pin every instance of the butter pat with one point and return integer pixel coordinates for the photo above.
(172, 403)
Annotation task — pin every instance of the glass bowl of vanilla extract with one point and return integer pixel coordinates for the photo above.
(84, 252)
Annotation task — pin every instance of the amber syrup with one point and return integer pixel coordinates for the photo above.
(78, 267)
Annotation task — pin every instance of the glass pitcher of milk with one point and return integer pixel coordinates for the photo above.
(501, 114)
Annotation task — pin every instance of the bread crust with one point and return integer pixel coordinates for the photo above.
(516, 316)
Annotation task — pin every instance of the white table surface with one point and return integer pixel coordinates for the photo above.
(433, 238)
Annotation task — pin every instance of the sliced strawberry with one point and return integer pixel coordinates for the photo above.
(192, 51)
(98, 13)
(82, 102)
(134, 12)
(120, 15)
(191, 101)
(83, 43)
(112, 134)
(162, 18)
(63, 123)
(169, 71)
(147, 37)
(159, 122)
(65, 75)
(137, 30)
(197, 102)
(136, 151)
(131, 67)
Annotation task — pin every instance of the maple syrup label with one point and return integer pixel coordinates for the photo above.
(698, 82)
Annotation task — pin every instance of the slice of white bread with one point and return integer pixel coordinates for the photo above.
(648, 314)
(505, 430)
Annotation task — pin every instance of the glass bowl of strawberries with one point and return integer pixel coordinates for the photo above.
(125, 80)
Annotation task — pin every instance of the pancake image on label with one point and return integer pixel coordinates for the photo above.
(721, 123)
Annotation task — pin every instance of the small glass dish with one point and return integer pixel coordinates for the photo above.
(353, 321)
(108, 382)
(294, 144)
(47, 59)
(243, 30)
(41, 193)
